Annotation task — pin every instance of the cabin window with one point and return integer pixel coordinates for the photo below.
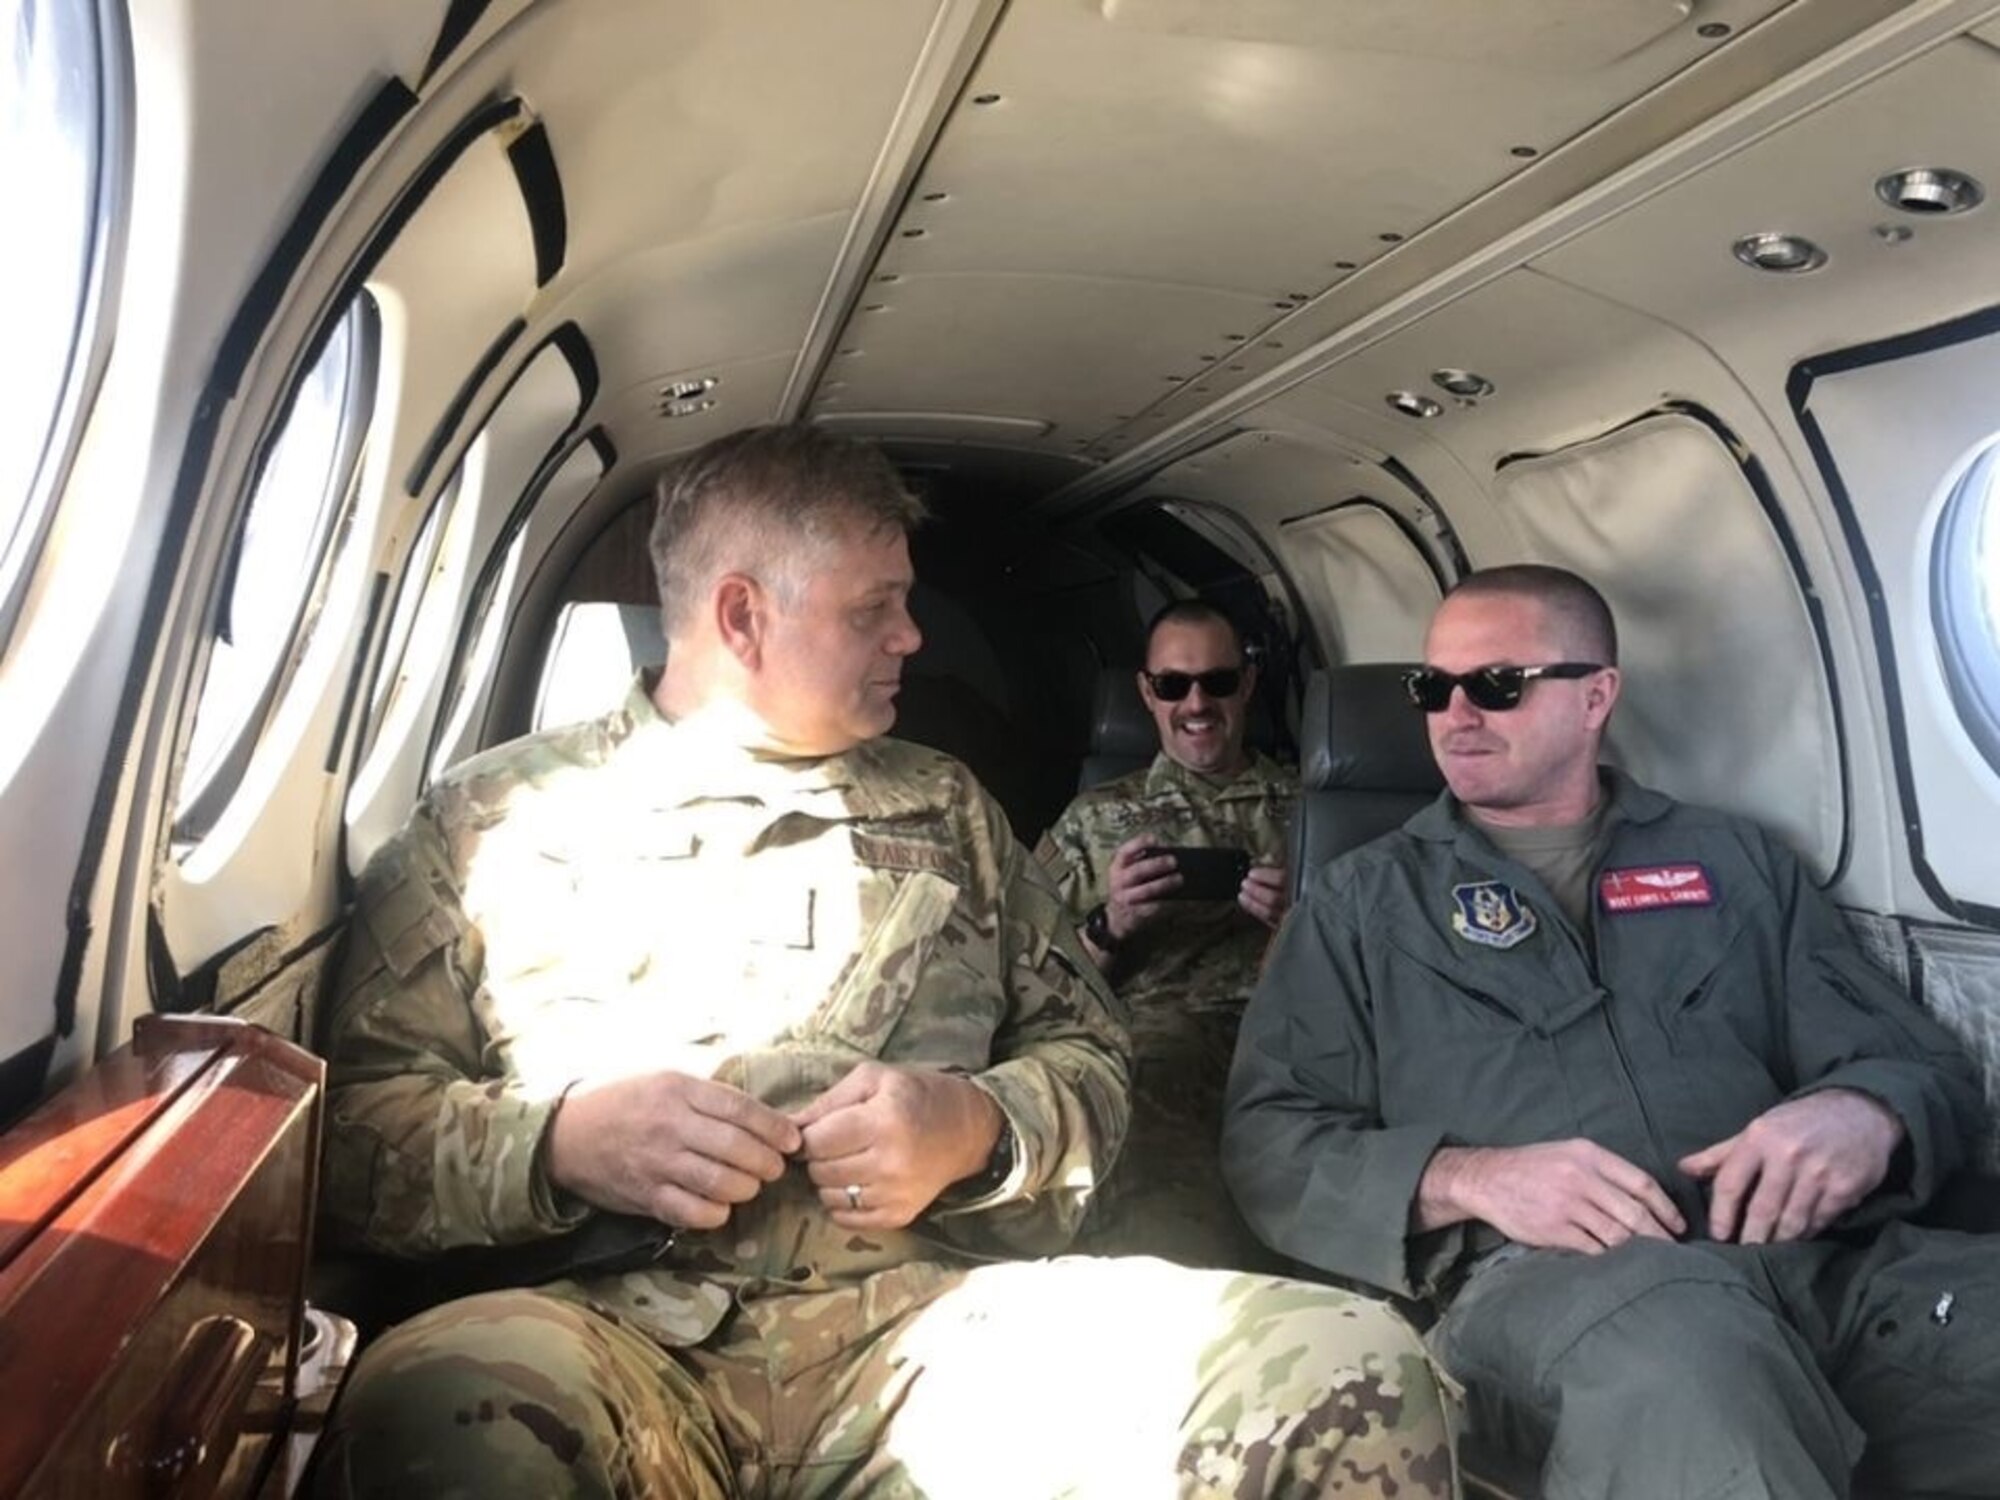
(277, 564)
(1965, 600)
(57, 169)
(477, 669)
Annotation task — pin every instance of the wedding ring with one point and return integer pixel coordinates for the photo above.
(854, 1197)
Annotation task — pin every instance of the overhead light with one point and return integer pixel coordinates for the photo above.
(1932, 191)
(1410, 404)
(1462, 383)
(1787, 254)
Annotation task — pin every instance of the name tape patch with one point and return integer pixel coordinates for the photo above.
(1651, 887)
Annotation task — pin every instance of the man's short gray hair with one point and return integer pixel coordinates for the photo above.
(767, 501)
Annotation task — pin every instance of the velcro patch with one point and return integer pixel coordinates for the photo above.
(1650, 887)
(1491, 914)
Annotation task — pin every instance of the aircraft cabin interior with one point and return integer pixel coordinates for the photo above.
(349, 341)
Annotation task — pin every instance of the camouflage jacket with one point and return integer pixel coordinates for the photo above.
(1201, 954)
(627, 895)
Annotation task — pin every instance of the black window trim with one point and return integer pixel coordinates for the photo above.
(1798, 391)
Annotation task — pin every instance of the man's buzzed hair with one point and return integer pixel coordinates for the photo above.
(1191, 612)
(766, 501)
(1576, 609)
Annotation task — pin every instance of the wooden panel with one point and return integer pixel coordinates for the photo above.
(159, 1217)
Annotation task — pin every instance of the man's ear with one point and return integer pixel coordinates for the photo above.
(1600, 695)
(1145, 688)
(1249, 678)
(742, 617)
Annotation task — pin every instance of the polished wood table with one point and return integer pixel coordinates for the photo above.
(155, 1223)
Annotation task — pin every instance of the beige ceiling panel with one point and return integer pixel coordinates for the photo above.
(1551, 35)
(673, 122)
(1287, 156)
(684, 307)
(1528, 337)
(1077, 352)
(1671, 254)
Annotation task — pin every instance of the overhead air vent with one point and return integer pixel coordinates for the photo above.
(1931, 191)
(1462, 383)
(1410, 404)
(684, 398)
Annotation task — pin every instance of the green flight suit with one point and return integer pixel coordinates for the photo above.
(629, 895)
(1429, 992)
(1184, 978)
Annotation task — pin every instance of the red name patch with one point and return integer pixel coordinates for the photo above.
(1649, 887)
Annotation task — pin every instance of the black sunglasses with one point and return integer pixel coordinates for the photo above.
(1493, 689)
(1171, 687)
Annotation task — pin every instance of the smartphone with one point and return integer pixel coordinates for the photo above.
(1206, 874)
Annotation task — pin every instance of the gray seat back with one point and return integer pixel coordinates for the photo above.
(1365, 763)
(1122, 737)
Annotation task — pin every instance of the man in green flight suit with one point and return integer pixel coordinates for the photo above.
(785, 1002)
(1183, 967)
(1605, 1078)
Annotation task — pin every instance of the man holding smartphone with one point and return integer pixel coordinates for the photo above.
(1175, 876)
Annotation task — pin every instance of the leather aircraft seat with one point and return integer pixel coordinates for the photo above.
(1122, 737)
(1365, 763)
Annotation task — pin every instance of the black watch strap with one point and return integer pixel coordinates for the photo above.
(993, 1176)
(1097, 927)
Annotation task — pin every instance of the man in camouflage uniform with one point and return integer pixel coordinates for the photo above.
(1183, 967)
(786, 1001)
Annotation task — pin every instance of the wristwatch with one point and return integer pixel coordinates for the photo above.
(999, 1164)
(1097, 927)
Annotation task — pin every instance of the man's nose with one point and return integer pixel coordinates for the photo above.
(1459, 709)
(905, 638)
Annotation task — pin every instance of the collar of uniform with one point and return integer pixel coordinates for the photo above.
(681, 765)
(1168, 774)
(1445, 819)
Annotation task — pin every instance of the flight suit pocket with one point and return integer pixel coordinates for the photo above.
(872, 993)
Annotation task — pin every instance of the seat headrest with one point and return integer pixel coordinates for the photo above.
(1359, 732)
(595, 652)
(1119, 723)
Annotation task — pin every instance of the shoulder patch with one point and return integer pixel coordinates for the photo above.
(1650, 887)
(1491, 914)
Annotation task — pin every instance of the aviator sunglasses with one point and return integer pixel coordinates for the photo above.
(1171, 687)
(1493, 689)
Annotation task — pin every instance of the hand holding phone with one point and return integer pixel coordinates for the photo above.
(1206, 874)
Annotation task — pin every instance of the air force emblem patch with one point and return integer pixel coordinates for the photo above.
(1491, 915)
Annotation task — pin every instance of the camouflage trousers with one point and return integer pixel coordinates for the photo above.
(1074, 1377)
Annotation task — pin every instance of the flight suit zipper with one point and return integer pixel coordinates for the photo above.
(1588, 956)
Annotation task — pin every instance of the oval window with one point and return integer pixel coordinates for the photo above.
(277, 562)
(53, 166)
(1965, 601)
